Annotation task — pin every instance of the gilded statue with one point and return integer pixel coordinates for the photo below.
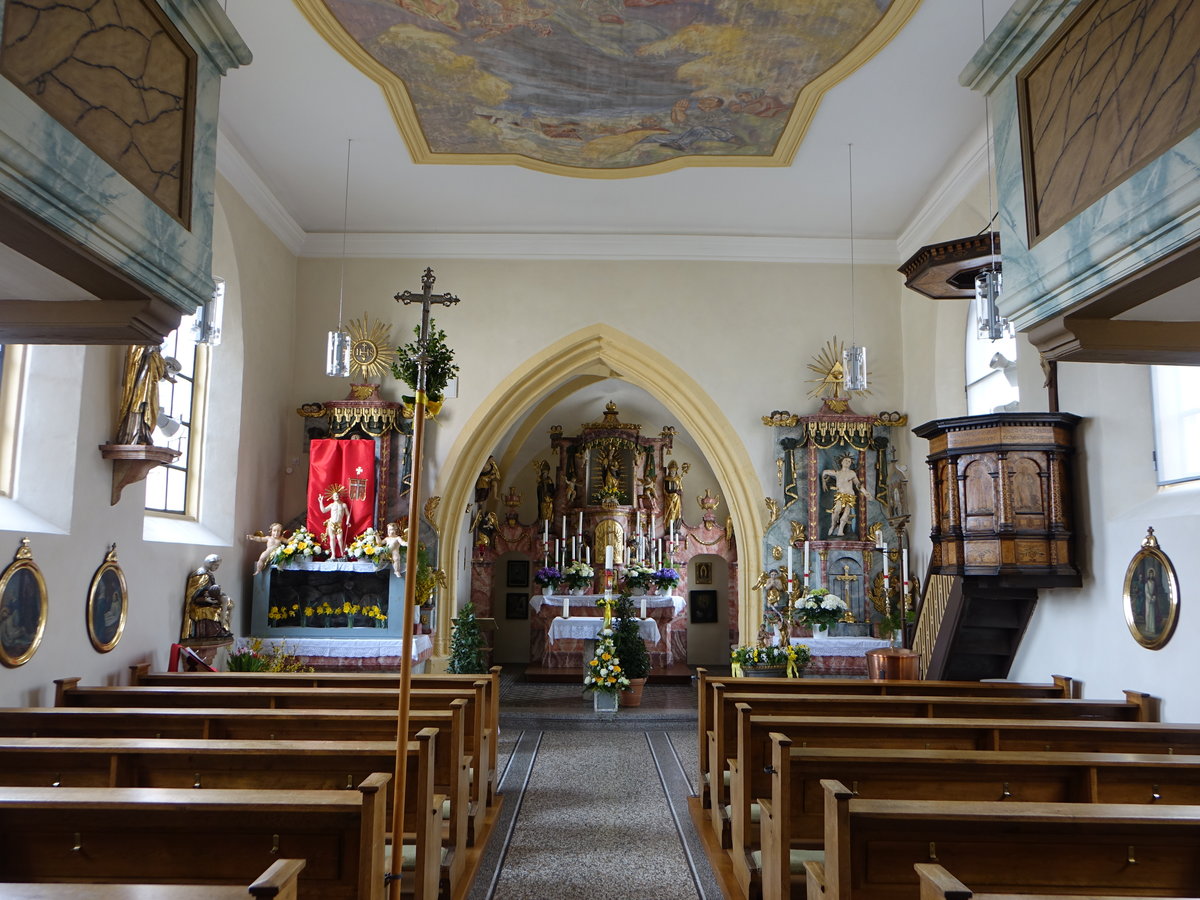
(273, 539)
(145, 367)
(649, 494)
(488, 482)
(774, 584)
(338, 522)
(610, 469)
(673, 488)
(846, 487)
(206, 611)
(545, 490)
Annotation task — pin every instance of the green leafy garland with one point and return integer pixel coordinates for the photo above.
(438, 370)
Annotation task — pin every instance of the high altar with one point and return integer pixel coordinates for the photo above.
(608, 486)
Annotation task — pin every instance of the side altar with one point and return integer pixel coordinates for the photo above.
(332, 598)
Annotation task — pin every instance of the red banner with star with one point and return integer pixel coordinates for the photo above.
(349, 462)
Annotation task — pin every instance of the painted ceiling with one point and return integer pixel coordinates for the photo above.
(606, 88)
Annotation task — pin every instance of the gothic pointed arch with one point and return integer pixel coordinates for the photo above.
(595, 348)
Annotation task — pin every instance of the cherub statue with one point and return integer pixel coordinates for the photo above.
(774, 583)
(273, 539)
(338, 522)
(397, 545)
(204, 605)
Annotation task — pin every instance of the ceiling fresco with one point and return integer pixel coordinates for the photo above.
(606, 88)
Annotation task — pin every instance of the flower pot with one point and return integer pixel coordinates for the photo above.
(764, 671)
(637, 591)
(633, 696)
(605, 703)
(819, 633)
(578, 592)
(665, 591)
(548, 590)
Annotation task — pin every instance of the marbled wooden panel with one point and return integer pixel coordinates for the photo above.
(1115, 87)
(120, 77)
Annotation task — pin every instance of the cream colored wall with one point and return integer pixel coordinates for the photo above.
(156, 570)
(744, 332)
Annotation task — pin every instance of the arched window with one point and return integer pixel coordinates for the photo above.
(991, 368)
(1176, 391)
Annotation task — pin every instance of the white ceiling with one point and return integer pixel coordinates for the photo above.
(285, 120)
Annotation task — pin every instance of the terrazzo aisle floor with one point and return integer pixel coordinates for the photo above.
(594, 808)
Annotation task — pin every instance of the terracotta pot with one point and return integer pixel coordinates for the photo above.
(633, 696)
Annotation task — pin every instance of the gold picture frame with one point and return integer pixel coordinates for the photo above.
(107, 603)
(1151, 595)
(23, 606)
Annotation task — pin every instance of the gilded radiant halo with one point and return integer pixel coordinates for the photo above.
(830, 382)
(371, 351)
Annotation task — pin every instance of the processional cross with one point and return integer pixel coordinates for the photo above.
(426, 298)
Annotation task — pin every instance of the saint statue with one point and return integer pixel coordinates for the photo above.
(488, 482)
(846, 488)
(610, 469)
(205, 609)
(545, 491)
(338, 522)
(145, 367)
(673, 488)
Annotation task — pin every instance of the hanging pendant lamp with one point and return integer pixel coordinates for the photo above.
(337, 347)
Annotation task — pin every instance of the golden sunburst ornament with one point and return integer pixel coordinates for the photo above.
(371, 350)
(831, 376)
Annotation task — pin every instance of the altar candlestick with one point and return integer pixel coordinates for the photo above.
(566, 608)
(643, 606)
(807, 568)
(886, 576)
(580, 522)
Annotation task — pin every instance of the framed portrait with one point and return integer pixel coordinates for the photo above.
(107, 603)
(1151, 595)
(516, 606)
(703, 606)
(23, 604)
(518, 573)
(703, 573)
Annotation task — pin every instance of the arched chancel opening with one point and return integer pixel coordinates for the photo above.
(604, 350)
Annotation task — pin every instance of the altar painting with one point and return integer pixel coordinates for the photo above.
(605, 84)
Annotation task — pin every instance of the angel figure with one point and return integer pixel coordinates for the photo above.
(773, 582)
(397, 544)
(273, 539)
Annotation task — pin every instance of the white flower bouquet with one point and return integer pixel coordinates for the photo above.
(302, 546)
(819, 609)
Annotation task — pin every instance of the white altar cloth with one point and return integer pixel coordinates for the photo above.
(585, 628)
(653, 601)
(422, 646)
(333, 565)
(840, 646)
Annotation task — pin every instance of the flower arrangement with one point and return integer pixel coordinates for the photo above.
(369, 547)
(302, 545)
(820, 609)
(604, 669)
(667, 578)
(639, 576)
(252, 658)
(578, 575)
(794, 658)
(548, 576)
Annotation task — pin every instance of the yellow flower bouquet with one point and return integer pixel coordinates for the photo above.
(604, 671)
(302, 545)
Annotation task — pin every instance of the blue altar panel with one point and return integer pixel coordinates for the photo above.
(341, 600)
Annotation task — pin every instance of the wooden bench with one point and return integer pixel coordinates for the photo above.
(938, 884)
(238, 764)
(793, 787)
(480, 733)
(752, 763)
(140, 674)
(722, 736)
(871, 847)
(277, 883)
(158, 835)
(1060, 687)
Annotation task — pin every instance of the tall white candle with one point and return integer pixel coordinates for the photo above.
(564, 528)
(566, 608)
(886, 575)
(791, 573)
(581, 521)
(545, 531)
(608, 556)
(588, 550)
(807, 567)
(651, 533)
(558, 552)
(643, 606)
(904, 571)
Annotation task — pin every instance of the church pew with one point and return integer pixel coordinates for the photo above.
(794, 788)
(722, 736)
(936, 883)
(278, 882)
(871, 847)
(140, 674)
(234, 764)
(1060, 687)
(68, 692)
(455, 726)
(160, 835)
(750, 769)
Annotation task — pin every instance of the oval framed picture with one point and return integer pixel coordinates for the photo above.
(107, 603)
(1151, 595)
(23, 605)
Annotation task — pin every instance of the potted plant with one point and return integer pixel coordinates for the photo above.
(578, 576)
(605, 676)
(439, 367)
(631, 650)
(819, 609)
(769, 662)
(548, 579)
(666, 579)
(466, 644)
(638, 579)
